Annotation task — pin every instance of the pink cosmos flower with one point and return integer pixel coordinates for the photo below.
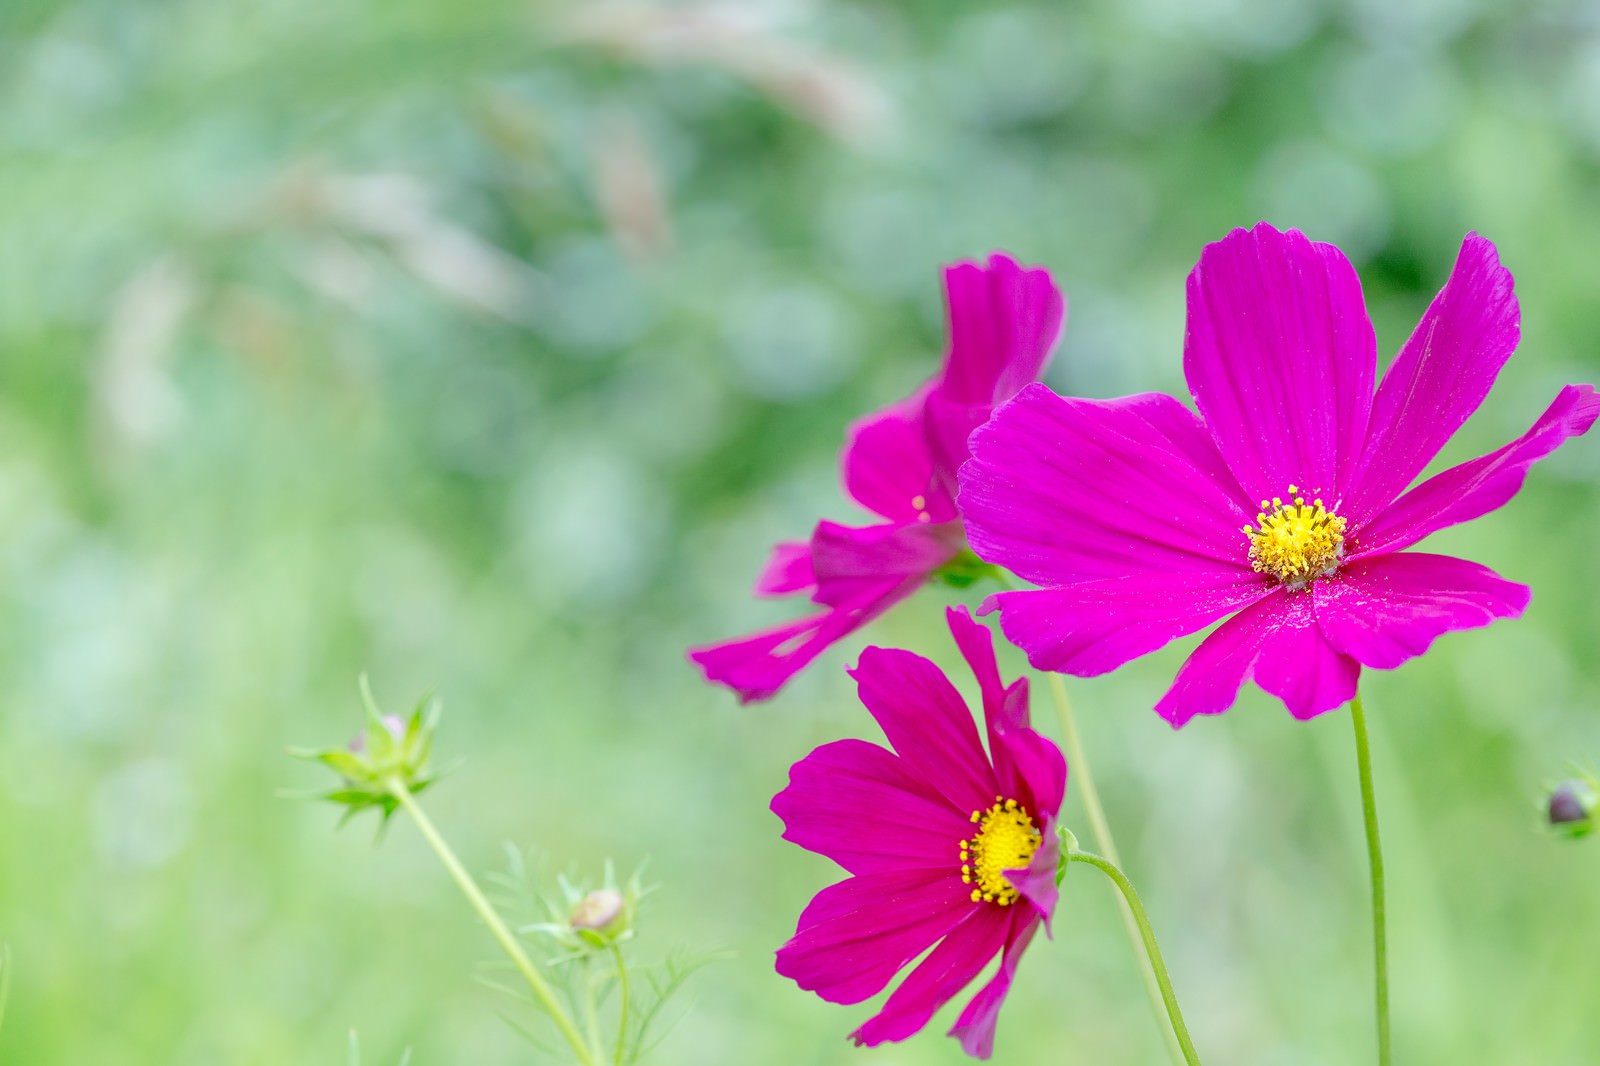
(946, 845)
(901, 463)
(1283, 504)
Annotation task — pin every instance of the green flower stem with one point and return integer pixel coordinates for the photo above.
(469, 888)
(1152, 951)
(622, 1009)
(1380, 948)
(1083, 781)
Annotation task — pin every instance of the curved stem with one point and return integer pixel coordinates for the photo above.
(1152, 951)
(1369, 810)
(622, 1009)
(469, 888)
(1083, 781)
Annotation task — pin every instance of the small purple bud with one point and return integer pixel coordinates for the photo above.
(1572, 802)
(597, 910)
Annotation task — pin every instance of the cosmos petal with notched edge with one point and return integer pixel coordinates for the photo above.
(949, 968)
(1386, 609)
(975, 1027)
(1091, 627)
(1480, 485)
(1277, 642)
(1064, 490)
(854, 803)
(788, 570)
(758, 665)
(856, 935)
(1280, 357)
(1439, 379)
(927, 722)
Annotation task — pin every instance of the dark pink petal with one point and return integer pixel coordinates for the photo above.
(788, 570)
(1280, 357)
(926, 721)
(1065, 490)
(757, 666)
(888, 467)
(1004, 319)
(1477, 487)
(949, 968)
(1438, 379)
(1037, 881)
(852, 564)
(1389, 608)
(856, 935)
(1004, 709)
(975, 1027)
(854, 803)
(1276, 641)
(1091, 627)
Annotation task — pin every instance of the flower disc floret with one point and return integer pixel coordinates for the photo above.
(1006, 840)
(1296, 542)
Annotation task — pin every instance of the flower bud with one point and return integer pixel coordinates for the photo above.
(1573, 807)
(597, 910)
(388, 757)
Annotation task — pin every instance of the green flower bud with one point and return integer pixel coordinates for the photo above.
(585, 920)
(390, 751)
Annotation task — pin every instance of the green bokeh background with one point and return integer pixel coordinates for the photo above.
(486, 346)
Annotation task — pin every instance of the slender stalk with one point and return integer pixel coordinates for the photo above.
(1380, 949)
(491, 918)
(1083, 781)
(622, 1009)
(1152, 951)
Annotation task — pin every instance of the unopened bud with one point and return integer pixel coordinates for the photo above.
(598, 909)
(1573, 806)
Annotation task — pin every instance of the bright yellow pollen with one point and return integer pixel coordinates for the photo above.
(1296, 542)
(1006, 840)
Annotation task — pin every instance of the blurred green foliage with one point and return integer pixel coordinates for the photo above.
(487, 346)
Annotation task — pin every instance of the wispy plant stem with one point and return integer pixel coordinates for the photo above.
(1380, 948)
(622, 1009)
(1152, 952)
(469, 888)
(1083, 781)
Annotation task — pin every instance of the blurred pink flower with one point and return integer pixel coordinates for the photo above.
(946, 845)
(1282, 505)
(901, 463)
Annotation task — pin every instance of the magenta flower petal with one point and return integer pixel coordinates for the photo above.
(1276, 641)
(1004, 709)
(1036, 882)
(857, 934)
(1092, 627)
(1390, 608)
(853, 564)
(788, 570)
(1483, 484)
(975, 1027)
(757, 666)
(925, 720)
(1280, 357)
(912, 825)
(1004, 320)
(1064, 490)
(1439, 378)
(949, 968)
(888, 467)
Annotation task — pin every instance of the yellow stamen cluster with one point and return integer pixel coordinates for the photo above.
(1296, 542)
(1006, 840)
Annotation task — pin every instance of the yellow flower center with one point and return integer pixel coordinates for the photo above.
(1006, 840)
(1296, 542)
